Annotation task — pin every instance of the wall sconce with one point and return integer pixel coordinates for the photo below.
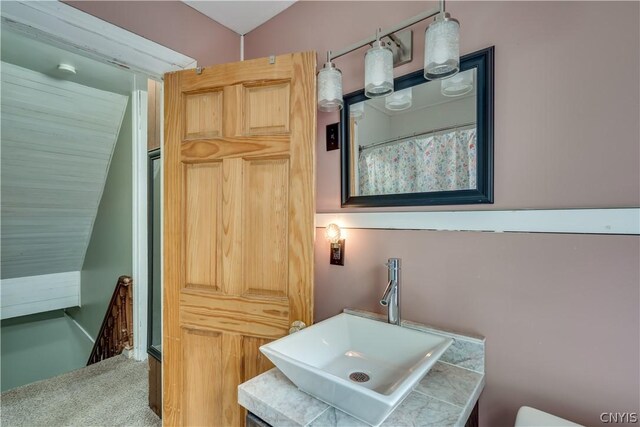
(441, 58)
(333, 234)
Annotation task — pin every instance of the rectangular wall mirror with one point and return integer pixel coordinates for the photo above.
(429, 143)
(154, 331)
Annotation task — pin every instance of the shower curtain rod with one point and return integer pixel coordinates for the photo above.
(401, 138)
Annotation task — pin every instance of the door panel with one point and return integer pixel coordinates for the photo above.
(203, 222)
(239, 227)
(255, 362)
(267, 109)
(201, 358)
(203, 115)
(265, 255)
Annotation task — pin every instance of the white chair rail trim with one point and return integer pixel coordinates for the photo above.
(572, 221)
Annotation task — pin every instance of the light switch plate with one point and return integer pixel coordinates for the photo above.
(333, 136)
(337, 253)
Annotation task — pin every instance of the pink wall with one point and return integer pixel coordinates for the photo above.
(566, 97)
(172, 24)
(560, 312)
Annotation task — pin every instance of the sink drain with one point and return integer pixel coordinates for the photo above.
(359, 377)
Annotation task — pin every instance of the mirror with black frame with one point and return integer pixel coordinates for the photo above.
(428, 143)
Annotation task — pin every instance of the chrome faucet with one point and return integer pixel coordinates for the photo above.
(391, 297)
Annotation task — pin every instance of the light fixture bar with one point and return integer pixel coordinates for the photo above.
(398, 27)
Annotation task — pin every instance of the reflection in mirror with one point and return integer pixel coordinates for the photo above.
(155, 283)
(420, 139)
(428, 143)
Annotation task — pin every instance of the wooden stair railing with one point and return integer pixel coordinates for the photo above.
(116, 332)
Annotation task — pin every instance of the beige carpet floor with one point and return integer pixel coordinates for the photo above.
(113, 392)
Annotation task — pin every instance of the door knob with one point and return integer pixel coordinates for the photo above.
(296, 325)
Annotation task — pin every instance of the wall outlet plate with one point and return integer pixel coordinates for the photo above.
(333, 136)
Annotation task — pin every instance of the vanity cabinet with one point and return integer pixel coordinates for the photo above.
(155, 385)
(472, 421)
(253, 420)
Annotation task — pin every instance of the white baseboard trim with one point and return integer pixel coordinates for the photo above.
(83, 330)
(572, 221)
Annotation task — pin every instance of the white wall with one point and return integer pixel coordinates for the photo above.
(452, 113)
(374, 127)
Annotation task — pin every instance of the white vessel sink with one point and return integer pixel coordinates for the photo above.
(361, 366)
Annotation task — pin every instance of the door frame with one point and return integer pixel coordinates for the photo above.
(64, 26)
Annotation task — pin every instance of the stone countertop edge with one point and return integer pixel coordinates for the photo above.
(471, 403)
(272, 397)
(277, 401)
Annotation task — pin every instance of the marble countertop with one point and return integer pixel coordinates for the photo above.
(444, 397)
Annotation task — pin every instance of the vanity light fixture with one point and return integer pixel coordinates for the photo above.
(329, 87)
(333, 235)
(441, 59)
(458, 85)
(399, 100)
(378, 70)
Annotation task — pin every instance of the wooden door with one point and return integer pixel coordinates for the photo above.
(239, 227)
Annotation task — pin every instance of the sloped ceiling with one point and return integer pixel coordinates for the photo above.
(240, 16)
(57, 141)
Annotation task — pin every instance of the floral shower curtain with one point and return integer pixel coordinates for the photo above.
(437, 162)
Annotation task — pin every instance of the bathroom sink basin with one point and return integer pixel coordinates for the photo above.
(363, 367)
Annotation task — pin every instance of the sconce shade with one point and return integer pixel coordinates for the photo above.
(442, 48)
(378, 71)
(458, 85)
(356, 111)
(333, 233)
(329, 88)
(400, 100)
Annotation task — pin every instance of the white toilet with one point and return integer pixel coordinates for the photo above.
(531, 417)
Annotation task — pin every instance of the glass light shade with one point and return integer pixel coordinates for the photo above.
(378, 71)
(458, 85)
(442, 48)
(329, 88)
(332, 233)
(356, 111)
(400, 100)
